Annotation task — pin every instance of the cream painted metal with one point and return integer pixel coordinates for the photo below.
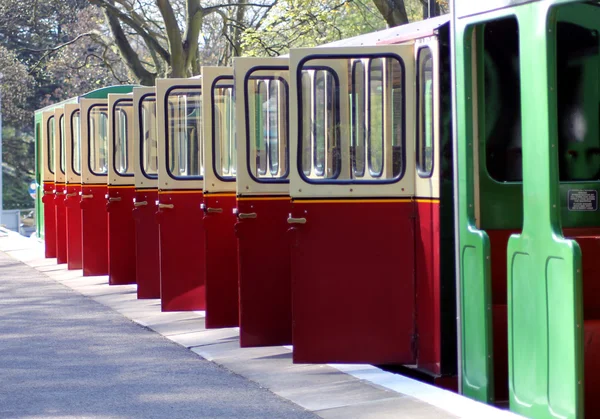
(246, 69)
(335, 59)
(59, 157)
(94, 141)
(218, 144)
(145, 159)
(72, 144)
(48, 155)
(172, 173)
(430, 186)
(120, 140)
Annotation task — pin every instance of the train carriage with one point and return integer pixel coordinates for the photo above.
(121, 190)
(145, 150)
(263, 201)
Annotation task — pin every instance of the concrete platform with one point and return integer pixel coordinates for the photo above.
(328, 391)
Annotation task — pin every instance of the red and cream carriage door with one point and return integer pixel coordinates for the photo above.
(59, 185)
(145, 160)
(72, 143)
(94, 169)
(428, 239)
(121, 191)
(48, 156)
(180, 183)
(352, 188)
(219, 198)
(263, 201)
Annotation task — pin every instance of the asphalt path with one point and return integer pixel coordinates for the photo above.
(63, 355)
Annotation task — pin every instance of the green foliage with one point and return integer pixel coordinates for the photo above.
(18, 156)
(306, 23)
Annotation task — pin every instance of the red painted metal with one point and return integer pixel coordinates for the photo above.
(147, 255)
(94, 231)
(264, 272)
(182, 257)
(427, 276)
(49, 220)
(221, 262)
(592, 367)
(73, 210)
(60, 213)
(353, 291)
(121, 235)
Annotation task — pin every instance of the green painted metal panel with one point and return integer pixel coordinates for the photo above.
(545, 315)
(105, 91)
(475, 295)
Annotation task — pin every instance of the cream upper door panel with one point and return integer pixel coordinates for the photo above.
(145, 147)
(352, 122)
(262, 125)
(427, 184)
(180, 134)
(94, 141)
(73, 143)
(59, 146)
(120, 139)
(48, 154)
(219, 129)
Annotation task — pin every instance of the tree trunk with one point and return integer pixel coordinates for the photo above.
(393, 11)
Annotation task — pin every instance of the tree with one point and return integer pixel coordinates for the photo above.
(17, 145)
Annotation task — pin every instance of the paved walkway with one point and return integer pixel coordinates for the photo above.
(75, 347)
(64, 355)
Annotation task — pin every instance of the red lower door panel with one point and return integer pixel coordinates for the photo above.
(353, 292)
(147, 256)
(182, 258)
(49, 220)
(61, 223)
(94, 230)
(221, 261)
(428, 297)
(73, 210)
(121, 235)
(265, 284)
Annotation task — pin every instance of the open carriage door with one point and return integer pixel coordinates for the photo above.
(352, 187)
(180, 183)
(121, 191)
(219, 198)
(73, 184)
(94, 167)
(263, 201)
(59, 185)
(48, 155)
(145, 160)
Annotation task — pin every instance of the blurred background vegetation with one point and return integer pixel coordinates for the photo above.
(51, 51)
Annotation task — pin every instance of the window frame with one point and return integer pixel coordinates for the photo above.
(114, 137)
(214, 86)
(89, 137)
(168, 139)
(62, 161)
(284, 178)
(348, 56)
(51, 157)
(368, 137)
(77, 112)
(423, 174)
(150, 97)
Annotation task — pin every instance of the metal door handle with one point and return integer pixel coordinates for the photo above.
(214, 210)
(139, 204)
(245, 215)
(69, 195)
(61, 193)
(164, 206)
(292, 220)
(48, 192)
(114, 199)
(87, 196)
